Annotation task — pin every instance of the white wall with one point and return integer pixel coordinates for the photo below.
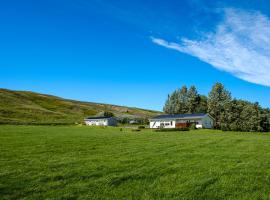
(101, 122)
(199, 123)
(162, 123)
(205, 122)
(97, 122)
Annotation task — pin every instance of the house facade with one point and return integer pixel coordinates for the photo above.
(100, 121)
(182, 120)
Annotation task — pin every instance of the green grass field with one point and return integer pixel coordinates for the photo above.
(42, 162)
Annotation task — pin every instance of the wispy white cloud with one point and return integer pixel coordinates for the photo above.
(239, 45)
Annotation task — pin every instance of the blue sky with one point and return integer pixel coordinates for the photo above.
(135, 52)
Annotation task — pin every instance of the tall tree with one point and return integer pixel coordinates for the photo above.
(181, 104)
(234, 115)
(193, 99)
(170, 106)
(202, 107)
(174, 102)
(218, 104)
(167, 107)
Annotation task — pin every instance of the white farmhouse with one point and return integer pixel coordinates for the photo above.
(101, 121)
(182, 120)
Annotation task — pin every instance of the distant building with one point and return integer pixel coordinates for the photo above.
(182, 120)
(133, 121)
(101, 121)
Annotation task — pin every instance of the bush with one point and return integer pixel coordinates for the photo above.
(141, 127)
(172, 129)
(193, 127)
(224, 127)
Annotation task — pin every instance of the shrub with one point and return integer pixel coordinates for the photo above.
(193, 127)
(141, 127)
(224, 127)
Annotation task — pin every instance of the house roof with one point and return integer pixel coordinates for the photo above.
(181, 116)
(98, 118)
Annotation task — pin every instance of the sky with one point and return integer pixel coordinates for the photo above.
(135, 52)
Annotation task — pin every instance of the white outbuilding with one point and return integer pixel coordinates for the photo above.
(101, 121)
(201, 120)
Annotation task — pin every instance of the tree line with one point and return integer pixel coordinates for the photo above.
(230, 114)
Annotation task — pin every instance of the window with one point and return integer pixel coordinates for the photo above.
(171, 123)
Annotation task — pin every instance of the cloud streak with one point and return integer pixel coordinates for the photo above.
(239, 45)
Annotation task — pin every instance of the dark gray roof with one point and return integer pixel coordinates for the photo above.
(98, 117)
(180, 116)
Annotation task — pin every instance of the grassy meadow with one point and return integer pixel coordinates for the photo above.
(23, 107)
(69, 162)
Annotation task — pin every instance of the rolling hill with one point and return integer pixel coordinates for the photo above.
(23, 107)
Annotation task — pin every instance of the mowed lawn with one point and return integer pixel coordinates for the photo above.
(42, 162)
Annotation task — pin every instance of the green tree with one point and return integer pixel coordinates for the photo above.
(193, 100)
(168, 107)
(182, 99)
(171, 102)
(246, 116)
(185, 100)
(252, 117)
(176, 103)
(202, 106)
(218, 104)
(236, 115)
(108, 114)
(265, 120)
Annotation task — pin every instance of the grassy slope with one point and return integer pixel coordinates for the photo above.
(96, 163)
(29, 107)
